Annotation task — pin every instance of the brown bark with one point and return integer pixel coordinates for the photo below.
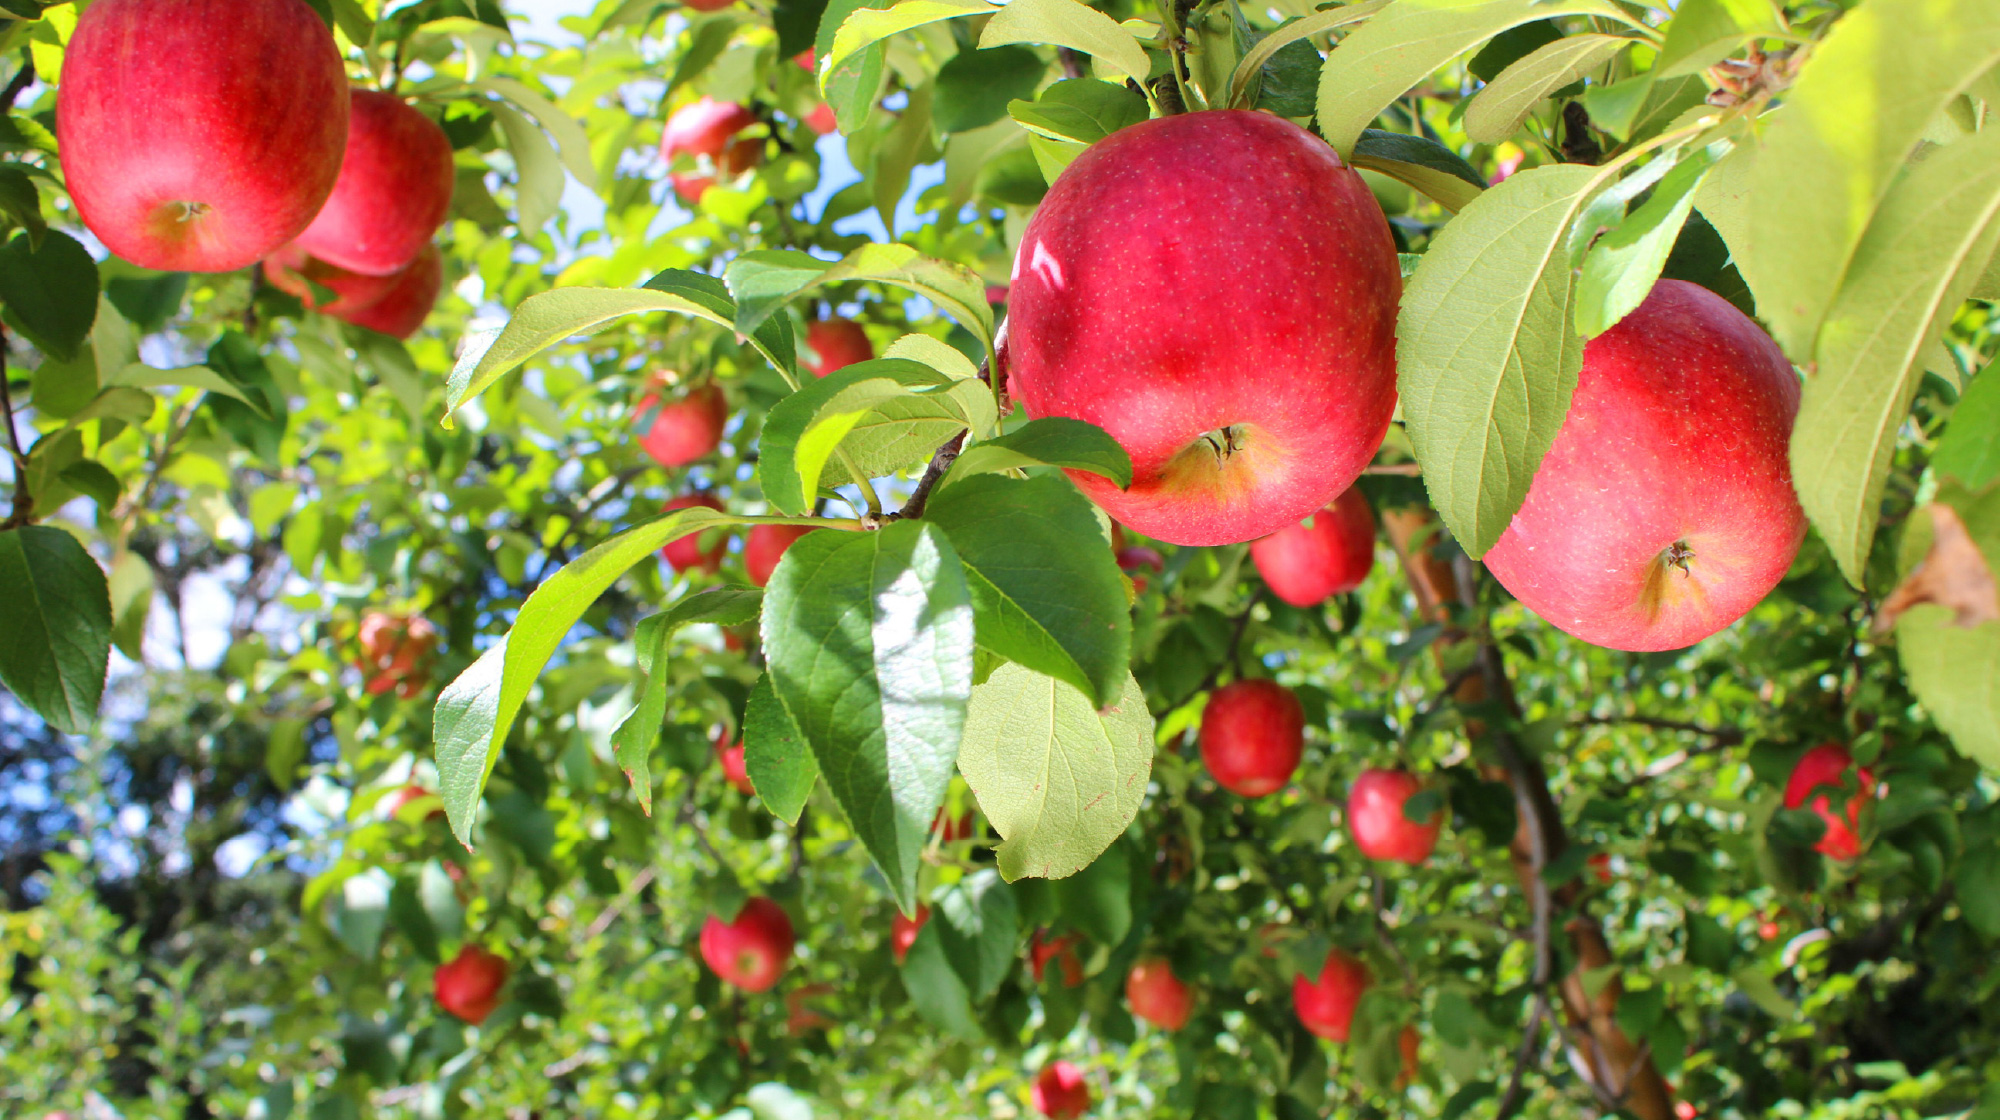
(1621, 1072)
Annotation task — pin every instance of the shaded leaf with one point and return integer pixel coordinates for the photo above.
(49, 292)
(57, 618)
(1498, 111)
(780, 764)
(634, 739)
(1422, 163)
(1051, 441)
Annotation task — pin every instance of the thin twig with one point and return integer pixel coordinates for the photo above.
(1410, 470)
(1722, 736)
(1510, 1102)
(603, 921)
(24, 502)
(940, 463)
(23, 78)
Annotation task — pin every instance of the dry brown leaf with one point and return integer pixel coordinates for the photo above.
(1954, 575)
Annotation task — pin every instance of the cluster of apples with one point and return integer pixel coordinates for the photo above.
(1219, 292)
(208, 135)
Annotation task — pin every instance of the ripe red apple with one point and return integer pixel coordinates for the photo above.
(765, 546)
(729, 754)
(704, 128)
(951, 831)
(1825, 767)
(1156, 995)
(996, 294)
(1325, 555)
(395, 305)
(199, 135)
(408, 302)
(751, 951)
(707, 5)
(903, 931)
(1407, 1042)
(1062, 950)
(681, 431)
(1326, 1006)
(1060, 1092)
(821, 120)
(836, 344)
(739, 156)
(1136, 560)
(468, 986)
(394, 189)
(1252, 735)
(804, 60)
(1375, 816)
(394, 653)
(1600, 865)
(1664, 511)
(685, 554)
(1217, 291)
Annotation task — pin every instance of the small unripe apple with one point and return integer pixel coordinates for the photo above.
(1326, 1006)
(1825, 767)
(200, 135)
(1252, 735)
(833, 344)
(729, 754)
(468, 986)
(676, 432)
(1156, 995)
(1375, 817)
(749, 952)
(765, 546)
(1327, 554)
(704, 128)
(903, 931)
(395, 187)
(1060, 1092)
(1664, 510)
(685, 554)
(1217, 291)
(1062, 950)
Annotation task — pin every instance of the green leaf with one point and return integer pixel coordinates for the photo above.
(802, 430)
(571, 141)
(1421, 162)
(1622, 267)
(1931, 237)
(57, 618)
(1046, 591)
(852, 87)
(21, 203)
(869, 638)
(544, 319)
(1760, 990)
(1955, 672)
(1498, 111)
(780, 764)
(1969, 450)
(1051, 441)
(935, 988)
(1081, 109)
(1386, 57)
(1818, 177)
(475, 712)
(1287, 33)
(708, 37)
(138, 375)
(149, 299)
(1066, 23)
(1059, 780)
(979, 927)
(864, 27)
(635, 738)
(1704, 32)
(49, 292)
(1098, 899)
(538, 173)
(1978, 883)
(1486, 355)
(974, 87)
(765, 280)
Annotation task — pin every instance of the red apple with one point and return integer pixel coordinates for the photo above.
(1407, 1042)
(408, 302)
(952, 831)
(996, 294)
(1326, 1006)
(734, 770)
(751, 951)
(739, 156)
(765, 545)
(903, 932)
(685, 554)
(1136, 560)
(1252, 735)
(1062, 950)
(468, 986)
(391, 806)
(395, 305)
(1664, 511)
(1060, 1092)
(704, 128)
(707, 5)
(820, 118)
(1600, 865)
(1375, 816)
(1325, 555)
(1825, 767)
(394, 189)
(683, 430)
(804, 60)
(199, 135)
(394, 651)
(1217, 291)
(1156, 995)
(836, 344)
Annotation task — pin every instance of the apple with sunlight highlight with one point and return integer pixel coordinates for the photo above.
(393, 192)
(1381, 828)
(1218, 291)
(1060, 1092)
(677, 431)
(1326, 1005)
(1252, 735)
(1327, 554)
(200, 135)
(833, 344)
(1156, 995)
(1820, 776)
(750, 951)
(468, 986)
(1664, 510)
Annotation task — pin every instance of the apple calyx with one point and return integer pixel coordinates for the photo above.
(1659, 589)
